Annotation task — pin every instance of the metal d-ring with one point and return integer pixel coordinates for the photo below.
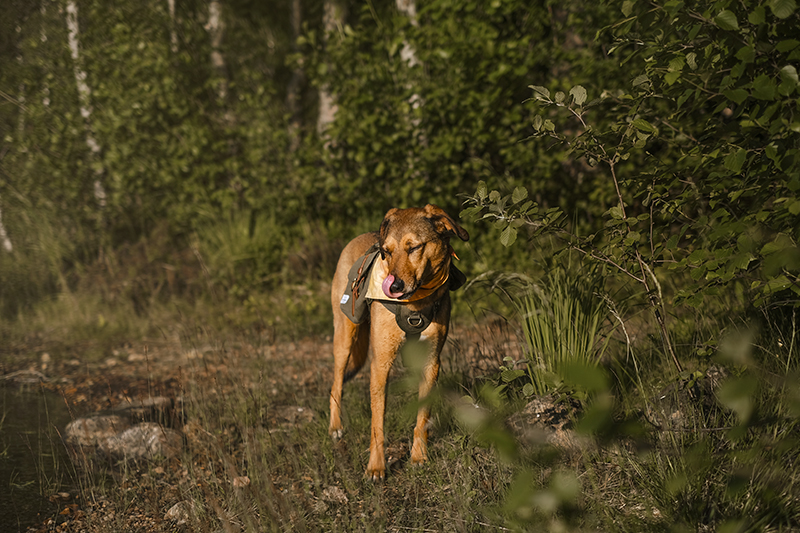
(415, 321)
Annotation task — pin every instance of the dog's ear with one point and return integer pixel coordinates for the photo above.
(384, 229)
(444, 223)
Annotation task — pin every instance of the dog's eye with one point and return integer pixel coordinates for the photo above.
(385, 252)
(415, 248)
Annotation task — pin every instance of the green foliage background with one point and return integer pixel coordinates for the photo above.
(658, 141)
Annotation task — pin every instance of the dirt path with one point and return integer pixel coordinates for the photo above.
(290, 374)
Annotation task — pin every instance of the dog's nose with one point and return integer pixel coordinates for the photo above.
(398, 285)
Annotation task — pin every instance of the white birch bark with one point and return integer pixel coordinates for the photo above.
(295, 82)
(409, 9)
(409, 55)
(4, 240)
(43, 38)
(216, 30)
(173, 32)
(84, 96)
(332, 20)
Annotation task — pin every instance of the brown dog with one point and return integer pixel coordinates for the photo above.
(413, 268)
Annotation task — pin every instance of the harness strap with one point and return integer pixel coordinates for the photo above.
(363, 274)
(355, 303)
(412, 322)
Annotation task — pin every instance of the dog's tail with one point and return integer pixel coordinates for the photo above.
(358, 353)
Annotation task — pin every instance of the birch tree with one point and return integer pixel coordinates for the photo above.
(43, 38)
(295, 82)
(333, 20)
(173, 32)
(85, 99)
(409, 56)
(4, 240)
(216, 30)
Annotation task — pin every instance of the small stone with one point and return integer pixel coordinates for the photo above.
(93, 430)
(334, 494)
(181, 512)
(241, 482)
(144, 441)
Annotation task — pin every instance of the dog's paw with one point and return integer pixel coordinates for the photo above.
(336, 434)
(376, 475)
(419, 453)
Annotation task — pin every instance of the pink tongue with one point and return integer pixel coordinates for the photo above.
(387, 287)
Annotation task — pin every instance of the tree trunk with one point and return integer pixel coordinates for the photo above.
(295, 82)
(43, 38)
(216, 30)
(332, 20)
(84, 98)
(173, 32)
(4, 240)
(409, 55)
(409, 9)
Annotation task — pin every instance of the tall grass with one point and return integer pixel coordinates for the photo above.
(563, 321)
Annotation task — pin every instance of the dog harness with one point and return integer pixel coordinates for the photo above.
(365, 282)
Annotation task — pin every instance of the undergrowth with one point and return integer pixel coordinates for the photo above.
(712, 449)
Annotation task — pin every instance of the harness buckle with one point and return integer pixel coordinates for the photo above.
(415, 321)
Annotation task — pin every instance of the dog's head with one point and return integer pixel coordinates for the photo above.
(415, 245)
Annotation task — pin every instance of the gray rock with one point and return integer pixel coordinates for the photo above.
(182, 512)
(94, 430)
(143, 441)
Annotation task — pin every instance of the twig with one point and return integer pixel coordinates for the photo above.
(13, 375)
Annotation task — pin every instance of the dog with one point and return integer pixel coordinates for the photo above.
(412, 273)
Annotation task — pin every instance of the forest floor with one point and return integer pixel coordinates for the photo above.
(257, 455)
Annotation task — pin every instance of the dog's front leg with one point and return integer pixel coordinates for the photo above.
(419, 449)
(384, 353)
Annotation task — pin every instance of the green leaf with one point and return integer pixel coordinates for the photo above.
(627, 7)
(727, 20)
(746, 54)
(578, 94)
(469, 213)
(538, 122)
(510, 375)
(735, 160)
(764, 88)
(787, 46)
(482, 191)
(672, 77)
(615, 212)
(508, 236)
(741, 261)
(756, 16)
(520, 193)
(736, 95)
(782, 8)
(789, 73)
(642, 125)
(776, 284)
(540, 93)
(738, 395)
